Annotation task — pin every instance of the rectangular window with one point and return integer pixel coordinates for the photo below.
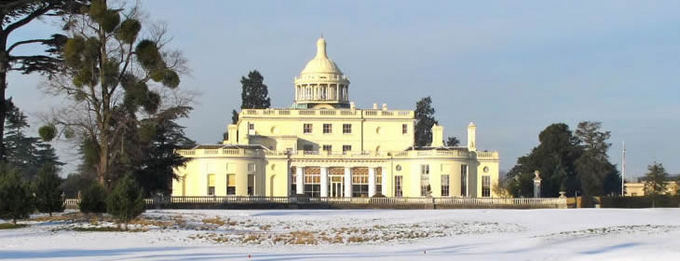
(307, 128)
(445, 185)
(328, 148)
(360, 182)
(397, 187)
(463, 180)
(404, 128)
(327, 128)
(251, 126)
(251, 184)
(231, 184)
(312, 181)
(347, 128)
(211, 184)
(486, 186)
(346, 148)
(425, 189)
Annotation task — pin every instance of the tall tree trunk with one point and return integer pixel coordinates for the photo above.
(4, 68)
(103, 168)
(3, 112)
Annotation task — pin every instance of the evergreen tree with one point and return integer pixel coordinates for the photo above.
(125, 201)
(93, 199)
(110, 78)
(452, 142)
(596, 174)
(655, 180)
(555, 158)
(26, 153)
(162, 136)
(16, 201)
(18, 14)
(424, 116)
(48, 194)
(254, 93)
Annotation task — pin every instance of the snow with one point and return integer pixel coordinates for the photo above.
(491, 234)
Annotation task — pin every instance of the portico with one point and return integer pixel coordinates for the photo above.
(328, 180)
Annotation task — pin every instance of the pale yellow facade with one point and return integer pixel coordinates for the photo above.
(637, 189)
(323, 146)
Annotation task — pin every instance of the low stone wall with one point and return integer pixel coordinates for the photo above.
(303, 202)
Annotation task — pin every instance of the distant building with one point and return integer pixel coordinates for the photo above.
(633, 189)
(323, 146)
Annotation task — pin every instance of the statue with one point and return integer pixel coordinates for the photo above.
(537, 184)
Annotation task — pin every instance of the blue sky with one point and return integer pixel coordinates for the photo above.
(511, 67)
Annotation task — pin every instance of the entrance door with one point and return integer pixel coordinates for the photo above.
(337, 186)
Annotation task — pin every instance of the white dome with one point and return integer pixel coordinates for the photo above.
(321, 63)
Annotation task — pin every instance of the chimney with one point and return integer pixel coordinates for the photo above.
(437, 136)
(384, 106)
(375, 106)
(471, 139)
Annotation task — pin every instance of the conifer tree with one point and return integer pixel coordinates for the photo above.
(18, 14)
(125, 202)
(16, 201)
(254, 93)
(655, 179)
(424, 116)
(93, 199)
(48, 194)
(27, 154)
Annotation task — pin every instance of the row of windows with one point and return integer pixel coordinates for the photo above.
(345, 148)
(231, 184)
(327, 128)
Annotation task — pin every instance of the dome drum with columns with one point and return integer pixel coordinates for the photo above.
(321, 84)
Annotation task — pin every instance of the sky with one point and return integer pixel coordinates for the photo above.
(511, 67)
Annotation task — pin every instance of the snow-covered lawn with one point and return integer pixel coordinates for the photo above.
(546, 234)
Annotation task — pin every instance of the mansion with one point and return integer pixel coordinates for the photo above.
(324, 146)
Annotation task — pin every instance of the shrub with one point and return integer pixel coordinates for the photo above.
(16, 201)
(48, 194)
(125, 201)
(93, 199)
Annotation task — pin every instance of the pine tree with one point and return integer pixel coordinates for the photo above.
(162, 136)
(125, 201)
(655, 179)
(596, 174)
(26, 153)
(555, 158)
(16, 201)
(254, 93)
(424, 116)
(48, 194)
(93, 199)
(18, 14)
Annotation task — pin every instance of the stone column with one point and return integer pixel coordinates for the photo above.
(348, 182)
(324, 181)
(384, 182)
(299, 179)
(371, 181)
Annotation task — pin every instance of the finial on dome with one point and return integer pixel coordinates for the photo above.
(321, 47)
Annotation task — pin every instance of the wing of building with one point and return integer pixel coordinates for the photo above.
(323, 146)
